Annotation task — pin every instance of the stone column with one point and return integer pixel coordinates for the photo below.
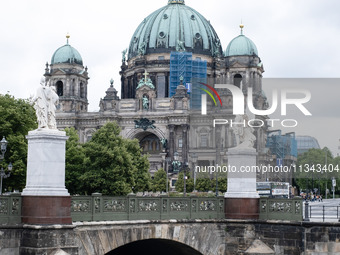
(185, 128)
(172, 140)
(241, 198)
(45, 198)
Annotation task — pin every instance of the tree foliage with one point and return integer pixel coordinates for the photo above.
(309, 175)
(17, 118)
(114, 165)
(159, 181)
(75, 167)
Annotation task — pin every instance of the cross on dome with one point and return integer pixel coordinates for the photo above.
(145, 75)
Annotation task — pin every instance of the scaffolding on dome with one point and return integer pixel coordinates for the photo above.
(193, 71)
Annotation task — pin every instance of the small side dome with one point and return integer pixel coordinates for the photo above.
(241, 46)
(66, 54)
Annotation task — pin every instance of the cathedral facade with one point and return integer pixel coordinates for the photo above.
(148, 110)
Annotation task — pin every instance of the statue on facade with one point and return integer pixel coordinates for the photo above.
(124, 55)
(147, 82)
(145, 102)
(217, 45)
(243, 134)
(180, 46)
(44, 103)
(164, 143)
(142, 49)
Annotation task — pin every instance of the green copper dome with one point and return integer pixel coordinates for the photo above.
(66, 54)
(175, 27)
(241, 46)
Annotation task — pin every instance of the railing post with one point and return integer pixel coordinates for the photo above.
(323, 213)
(96, 205)
(306, 211)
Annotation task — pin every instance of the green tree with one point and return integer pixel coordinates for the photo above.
(159, 181)
(189, 183)
(114, 165)
(204, 184)
(310, 170)
(17, 118)
(75, 167)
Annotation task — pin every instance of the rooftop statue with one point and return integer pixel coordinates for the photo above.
(145, 81)
(124, 55)
(44, 103)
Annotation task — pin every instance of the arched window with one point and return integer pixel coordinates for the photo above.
(82, 90)
(150, 144)
(237, 80)
(60, 88)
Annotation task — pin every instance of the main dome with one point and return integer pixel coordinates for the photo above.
(172, 26)
(66, 54)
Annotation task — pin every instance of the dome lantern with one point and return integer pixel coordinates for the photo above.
(176, 2)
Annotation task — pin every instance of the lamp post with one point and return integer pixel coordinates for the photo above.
(3, 174)
(181, 166)
(194, 160)
(168, 160)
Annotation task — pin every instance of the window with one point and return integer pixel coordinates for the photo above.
(82, 90)
(237, 80)
(204, 140)
(161, 58)
(60, 88)
(180, 143)
(198, 58)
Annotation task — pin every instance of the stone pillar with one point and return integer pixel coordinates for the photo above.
(241, 198)
(45, 198)
(185, 128)
(172, 140)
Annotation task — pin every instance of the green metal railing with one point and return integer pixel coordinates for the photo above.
(102, 208)
(10, 209)
(281, 209)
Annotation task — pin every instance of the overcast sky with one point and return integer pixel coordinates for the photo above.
(295, 38)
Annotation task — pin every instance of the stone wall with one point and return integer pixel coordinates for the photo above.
(208, 237)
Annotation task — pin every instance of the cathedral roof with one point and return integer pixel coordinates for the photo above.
(173, 25)
(241, 46)
(66, 54)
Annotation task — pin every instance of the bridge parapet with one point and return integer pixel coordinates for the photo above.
(281, 209)
(10, 209)
(103, 208)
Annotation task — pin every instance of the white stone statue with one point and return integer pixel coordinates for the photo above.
(44, 103)
(243, 134)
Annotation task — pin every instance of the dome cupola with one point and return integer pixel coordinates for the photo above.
(175, 27)
(241, 46)
(66, 54)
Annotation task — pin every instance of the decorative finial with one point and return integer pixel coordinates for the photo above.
(67, 37)
(181, 80)
(111, 82)
(241, 26)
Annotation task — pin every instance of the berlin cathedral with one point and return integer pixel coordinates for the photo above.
(171, 51)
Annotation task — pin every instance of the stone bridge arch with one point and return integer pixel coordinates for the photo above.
(104, 238)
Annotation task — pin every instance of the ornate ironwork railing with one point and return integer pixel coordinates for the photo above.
(102, 208)
(281, 209)
(10, 209)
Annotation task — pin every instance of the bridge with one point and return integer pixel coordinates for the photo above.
(170, 225)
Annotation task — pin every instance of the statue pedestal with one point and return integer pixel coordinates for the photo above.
(45, 198)
(241, 198)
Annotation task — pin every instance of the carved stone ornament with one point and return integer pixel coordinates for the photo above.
(144, 124)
